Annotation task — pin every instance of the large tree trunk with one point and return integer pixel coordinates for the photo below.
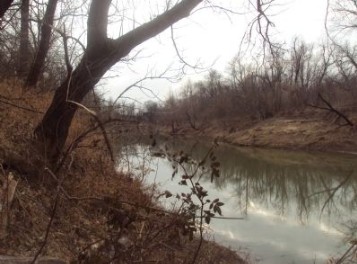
(4, 6)
(44, 45)
(54, 127)
(101, 54)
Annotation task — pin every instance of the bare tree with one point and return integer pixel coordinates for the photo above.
(343, 16)
(46, 30)
(101, 54)
(344, 22)
(24, 50)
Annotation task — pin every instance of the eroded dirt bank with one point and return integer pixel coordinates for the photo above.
(310, 131)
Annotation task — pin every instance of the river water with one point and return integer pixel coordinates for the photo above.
(293, 207)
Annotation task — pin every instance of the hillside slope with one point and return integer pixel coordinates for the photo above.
(84, 211)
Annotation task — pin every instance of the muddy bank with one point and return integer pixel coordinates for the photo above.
(314, 133)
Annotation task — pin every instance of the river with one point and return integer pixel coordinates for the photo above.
(291, 207)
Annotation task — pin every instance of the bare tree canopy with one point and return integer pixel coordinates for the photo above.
(101, 54)
(44, 31)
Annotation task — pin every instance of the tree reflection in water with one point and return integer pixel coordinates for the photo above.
(317, 190)
(299, 182)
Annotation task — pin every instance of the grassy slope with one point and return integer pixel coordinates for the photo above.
(100, 215)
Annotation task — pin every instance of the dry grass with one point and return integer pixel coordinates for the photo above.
(101, 216)
(310, 129)
(308, 132)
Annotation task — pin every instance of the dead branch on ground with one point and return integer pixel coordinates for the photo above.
(333, 110)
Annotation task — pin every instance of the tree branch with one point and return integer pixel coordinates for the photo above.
(332, 109)
(44, 45)
(130, 40)
(97, 23)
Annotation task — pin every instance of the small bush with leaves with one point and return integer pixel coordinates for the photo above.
(195, 207)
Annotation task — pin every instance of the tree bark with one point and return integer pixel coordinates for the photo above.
(46, 30)
(4, 6)
(24, 50)
(54, 127)
(101, 54)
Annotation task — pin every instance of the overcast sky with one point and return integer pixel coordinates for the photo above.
(210, 39)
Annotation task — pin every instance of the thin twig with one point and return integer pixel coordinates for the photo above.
(100, 124)
(54, 209)
(332, 109)
(76, 142)
(340, 260)
(22, 107)
(334, 190)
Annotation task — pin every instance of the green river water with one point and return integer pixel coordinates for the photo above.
(297, 207)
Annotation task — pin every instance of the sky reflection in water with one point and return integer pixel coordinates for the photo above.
(280, 194)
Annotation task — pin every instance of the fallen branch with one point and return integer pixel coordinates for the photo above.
(332, 109)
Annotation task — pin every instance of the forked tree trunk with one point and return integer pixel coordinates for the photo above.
(54, 127)
(101, 54)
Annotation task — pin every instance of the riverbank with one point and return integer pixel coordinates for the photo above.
(311, 130)
(84, 211)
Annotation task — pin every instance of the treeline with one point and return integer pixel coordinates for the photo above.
(32, 40)
(43, 45)
(300, 76)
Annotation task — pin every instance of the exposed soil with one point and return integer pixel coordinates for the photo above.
(310, 130)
